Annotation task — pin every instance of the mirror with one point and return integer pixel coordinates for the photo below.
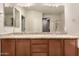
(46, 24)
(35, 18)
(22, 23)
(17, 18)
(8, 17)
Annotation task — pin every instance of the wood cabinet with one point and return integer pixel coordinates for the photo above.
(8, 47)
(78, 51)
(0, 47)
(70, 47)
(39, 54)
(56, 47)
(22, 47)
(39, 47)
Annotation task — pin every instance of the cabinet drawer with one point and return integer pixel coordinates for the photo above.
(39, 54)
(40, 41)
(39, 48)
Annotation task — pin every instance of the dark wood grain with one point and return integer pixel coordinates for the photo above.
(70, 47)
(0, 47)
(78, 51)
(22, 47)
(55, 47)
(8, 47)
(39, 41)
(39, 47)
(39, 54)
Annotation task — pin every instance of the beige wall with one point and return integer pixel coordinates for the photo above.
(72, 18)
(1, 19)
(33, 21)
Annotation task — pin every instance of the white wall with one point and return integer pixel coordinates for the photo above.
(8, 30)
(72, 18)
(33, 21)
(62, 23)
(1, 19)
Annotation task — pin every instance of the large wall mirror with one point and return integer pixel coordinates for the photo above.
(35, 18)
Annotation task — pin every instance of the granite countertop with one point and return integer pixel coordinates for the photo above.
(37, 35)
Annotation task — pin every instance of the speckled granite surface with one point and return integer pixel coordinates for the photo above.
(37, 35)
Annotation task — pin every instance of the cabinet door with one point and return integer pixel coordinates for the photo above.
(22, 47)
(55, 47)
(8, 47)
(0, 47)
(70, 47)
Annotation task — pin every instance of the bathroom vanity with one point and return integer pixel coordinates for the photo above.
(38, 45)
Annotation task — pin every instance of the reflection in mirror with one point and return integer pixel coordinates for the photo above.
(22, 23)
(17, 18)
(8, 16)
(36, 18)
(46, 24)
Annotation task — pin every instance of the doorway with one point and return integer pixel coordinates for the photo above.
(46, 24)
(23, 23)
